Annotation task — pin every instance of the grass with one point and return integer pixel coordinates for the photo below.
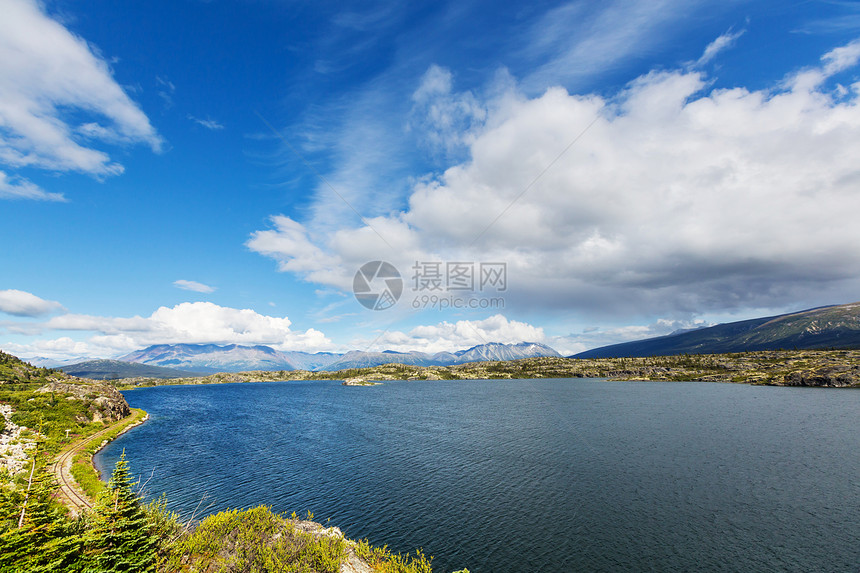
(383, 561)
(82, 464)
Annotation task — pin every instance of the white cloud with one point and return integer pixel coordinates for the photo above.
(20, 188)
(450, 337)
(842, 58)
(56, 349)
(196, 323)
(595, 337)
(289, 244)
(581, 40)
(188, 322)
(447, 120)
(723, 42)
(165, 90)
(193, 286)
(21, 303)
(677, 199)
(835, 61)
(208, 123)
(48, 78)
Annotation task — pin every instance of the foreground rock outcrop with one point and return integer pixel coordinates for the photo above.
(106, 403)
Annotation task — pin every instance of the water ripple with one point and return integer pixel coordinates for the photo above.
(537, 475)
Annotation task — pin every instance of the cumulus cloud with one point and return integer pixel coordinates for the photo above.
(56, 349)
(188, 322)
(453, 336)
(678, 198)
(193, 323)
(21, 303)
(49, 79)
(193, 286)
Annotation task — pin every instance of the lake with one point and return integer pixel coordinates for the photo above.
(525, 475)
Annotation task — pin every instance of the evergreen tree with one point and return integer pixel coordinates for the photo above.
(119, 540)
(47, 540)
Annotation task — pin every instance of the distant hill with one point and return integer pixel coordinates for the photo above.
(115, 369)
(211, 358)
(817, 328)
(13, 370)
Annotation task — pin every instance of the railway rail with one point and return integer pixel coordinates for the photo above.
(70, 492)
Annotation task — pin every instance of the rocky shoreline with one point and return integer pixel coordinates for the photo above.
(359, 381)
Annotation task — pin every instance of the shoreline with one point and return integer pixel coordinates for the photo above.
(107, 441)
(75, 495)
(380, 381)
(792, 368)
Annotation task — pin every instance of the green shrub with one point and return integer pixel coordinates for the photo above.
(254, 541)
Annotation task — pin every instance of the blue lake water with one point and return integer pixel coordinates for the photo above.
(526, 475)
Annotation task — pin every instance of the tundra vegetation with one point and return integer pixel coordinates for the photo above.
(834, 368)
(121, 532)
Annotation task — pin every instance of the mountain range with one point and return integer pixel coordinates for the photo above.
(818, 328)
(211, 358)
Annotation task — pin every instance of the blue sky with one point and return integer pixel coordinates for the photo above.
(193, 171)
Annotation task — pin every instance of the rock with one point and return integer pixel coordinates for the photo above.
(107, 404)
(831, 377)
(13, 448)
(358, 381)
(351, 563)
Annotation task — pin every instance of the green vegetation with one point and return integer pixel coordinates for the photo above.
(258, 540)
(52, 419)
(122, 534)
(382, 559)
(14, 371)
(119, 535)
(50, 414)
(82, 466)
(254, 540)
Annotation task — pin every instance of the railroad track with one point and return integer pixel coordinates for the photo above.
(77, 501)
(70, 494)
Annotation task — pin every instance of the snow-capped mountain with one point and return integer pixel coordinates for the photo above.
(211, 357)
(361, 359)
(499, 351)
(235, 358)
